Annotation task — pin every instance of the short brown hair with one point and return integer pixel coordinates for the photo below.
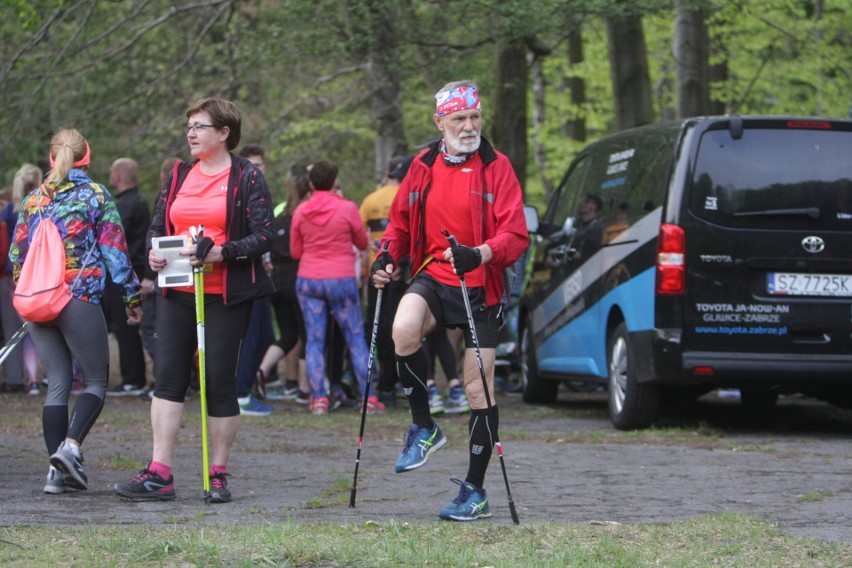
(250, 150)
(322, 175)
(222, 113)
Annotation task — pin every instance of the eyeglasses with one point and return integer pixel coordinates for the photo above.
(190, 127)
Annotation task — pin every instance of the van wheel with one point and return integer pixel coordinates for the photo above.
(536, 389)
(631, 405)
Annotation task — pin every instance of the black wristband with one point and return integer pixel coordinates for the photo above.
(203, 248)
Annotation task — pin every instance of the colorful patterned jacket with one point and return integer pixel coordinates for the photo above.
(85, 214)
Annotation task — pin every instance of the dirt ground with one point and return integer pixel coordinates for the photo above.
(565, 463)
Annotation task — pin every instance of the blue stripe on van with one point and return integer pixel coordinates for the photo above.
(579, 348)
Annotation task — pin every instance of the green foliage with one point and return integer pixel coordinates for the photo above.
(124, 72)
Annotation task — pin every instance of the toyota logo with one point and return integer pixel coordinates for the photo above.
(813, 244)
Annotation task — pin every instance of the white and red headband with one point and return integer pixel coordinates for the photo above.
(454, 100)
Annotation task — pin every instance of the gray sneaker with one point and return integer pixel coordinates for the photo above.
(55, 483)
(71, 466)
(284, 391)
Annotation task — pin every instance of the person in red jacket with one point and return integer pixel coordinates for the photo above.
(462, 185)
(322, 236)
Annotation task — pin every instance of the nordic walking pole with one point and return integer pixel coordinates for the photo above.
(198, 274)
(472, 326)
(13, 342)
(373, 337)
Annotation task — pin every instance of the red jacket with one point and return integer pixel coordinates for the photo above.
(497, 215)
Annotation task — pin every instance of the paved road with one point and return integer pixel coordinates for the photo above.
(565, 463)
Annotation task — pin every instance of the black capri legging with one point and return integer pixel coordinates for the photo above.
(291, 323)
(285, 304)
(176, 342)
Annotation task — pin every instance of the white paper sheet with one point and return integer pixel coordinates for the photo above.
(178, 270)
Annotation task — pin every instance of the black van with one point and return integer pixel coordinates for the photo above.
(709, 253)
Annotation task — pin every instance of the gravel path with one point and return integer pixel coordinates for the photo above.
(565, 463)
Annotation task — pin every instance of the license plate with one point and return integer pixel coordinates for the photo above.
(793, 284)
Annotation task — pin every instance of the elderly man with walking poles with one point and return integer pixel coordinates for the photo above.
(463, 193)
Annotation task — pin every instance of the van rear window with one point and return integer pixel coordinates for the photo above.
(774, 179)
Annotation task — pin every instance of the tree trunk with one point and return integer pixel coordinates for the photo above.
(539, 123)
(718, 78)
(386, 94)
(628, 61)
(576, 127)
(386, 111)
(510, 107)
(691, 55)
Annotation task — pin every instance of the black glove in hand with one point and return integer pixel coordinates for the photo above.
(203, 247)
(381, 263)
(465, 259)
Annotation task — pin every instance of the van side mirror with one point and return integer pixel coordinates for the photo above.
(531, 215)
(561, 233)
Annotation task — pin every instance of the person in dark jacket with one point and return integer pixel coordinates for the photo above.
(228, 196)
(135, 217)
(288, 315)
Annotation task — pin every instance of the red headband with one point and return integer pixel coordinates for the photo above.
(84, 161)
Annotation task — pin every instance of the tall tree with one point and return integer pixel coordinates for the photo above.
(628, 60)
(691, 55)
(509, 124)
(383, 82)
(576, 84)
(537, 54)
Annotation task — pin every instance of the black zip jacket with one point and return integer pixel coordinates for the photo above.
(249, 232)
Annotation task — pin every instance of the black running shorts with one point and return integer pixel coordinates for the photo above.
(447, 305)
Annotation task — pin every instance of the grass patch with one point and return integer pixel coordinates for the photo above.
(336, 494)
(119, 461)
(813, 496)
(713, 540)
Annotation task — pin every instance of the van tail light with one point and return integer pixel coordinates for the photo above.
(671, 270)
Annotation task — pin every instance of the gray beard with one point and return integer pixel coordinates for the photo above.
(454, 143)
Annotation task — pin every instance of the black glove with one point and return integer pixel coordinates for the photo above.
(203, 247)
(382, 260)
(465, 259)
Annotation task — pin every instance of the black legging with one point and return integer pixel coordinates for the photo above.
(176, 343)
(288, 316)
(438, 344)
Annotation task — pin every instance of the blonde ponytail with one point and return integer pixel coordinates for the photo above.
(66, 147)
(27, 178)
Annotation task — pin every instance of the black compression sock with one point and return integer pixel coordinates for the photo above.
(483, 431)
(412, 371)
(54, 423)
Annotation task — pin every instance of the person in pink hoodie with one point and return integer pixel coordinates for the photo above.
(322, 236)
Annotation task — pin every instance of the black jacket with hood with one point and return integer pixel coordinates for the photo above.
(249, 233)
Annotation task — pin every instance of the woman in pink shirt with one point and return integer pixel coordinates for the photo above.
(322, 236)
